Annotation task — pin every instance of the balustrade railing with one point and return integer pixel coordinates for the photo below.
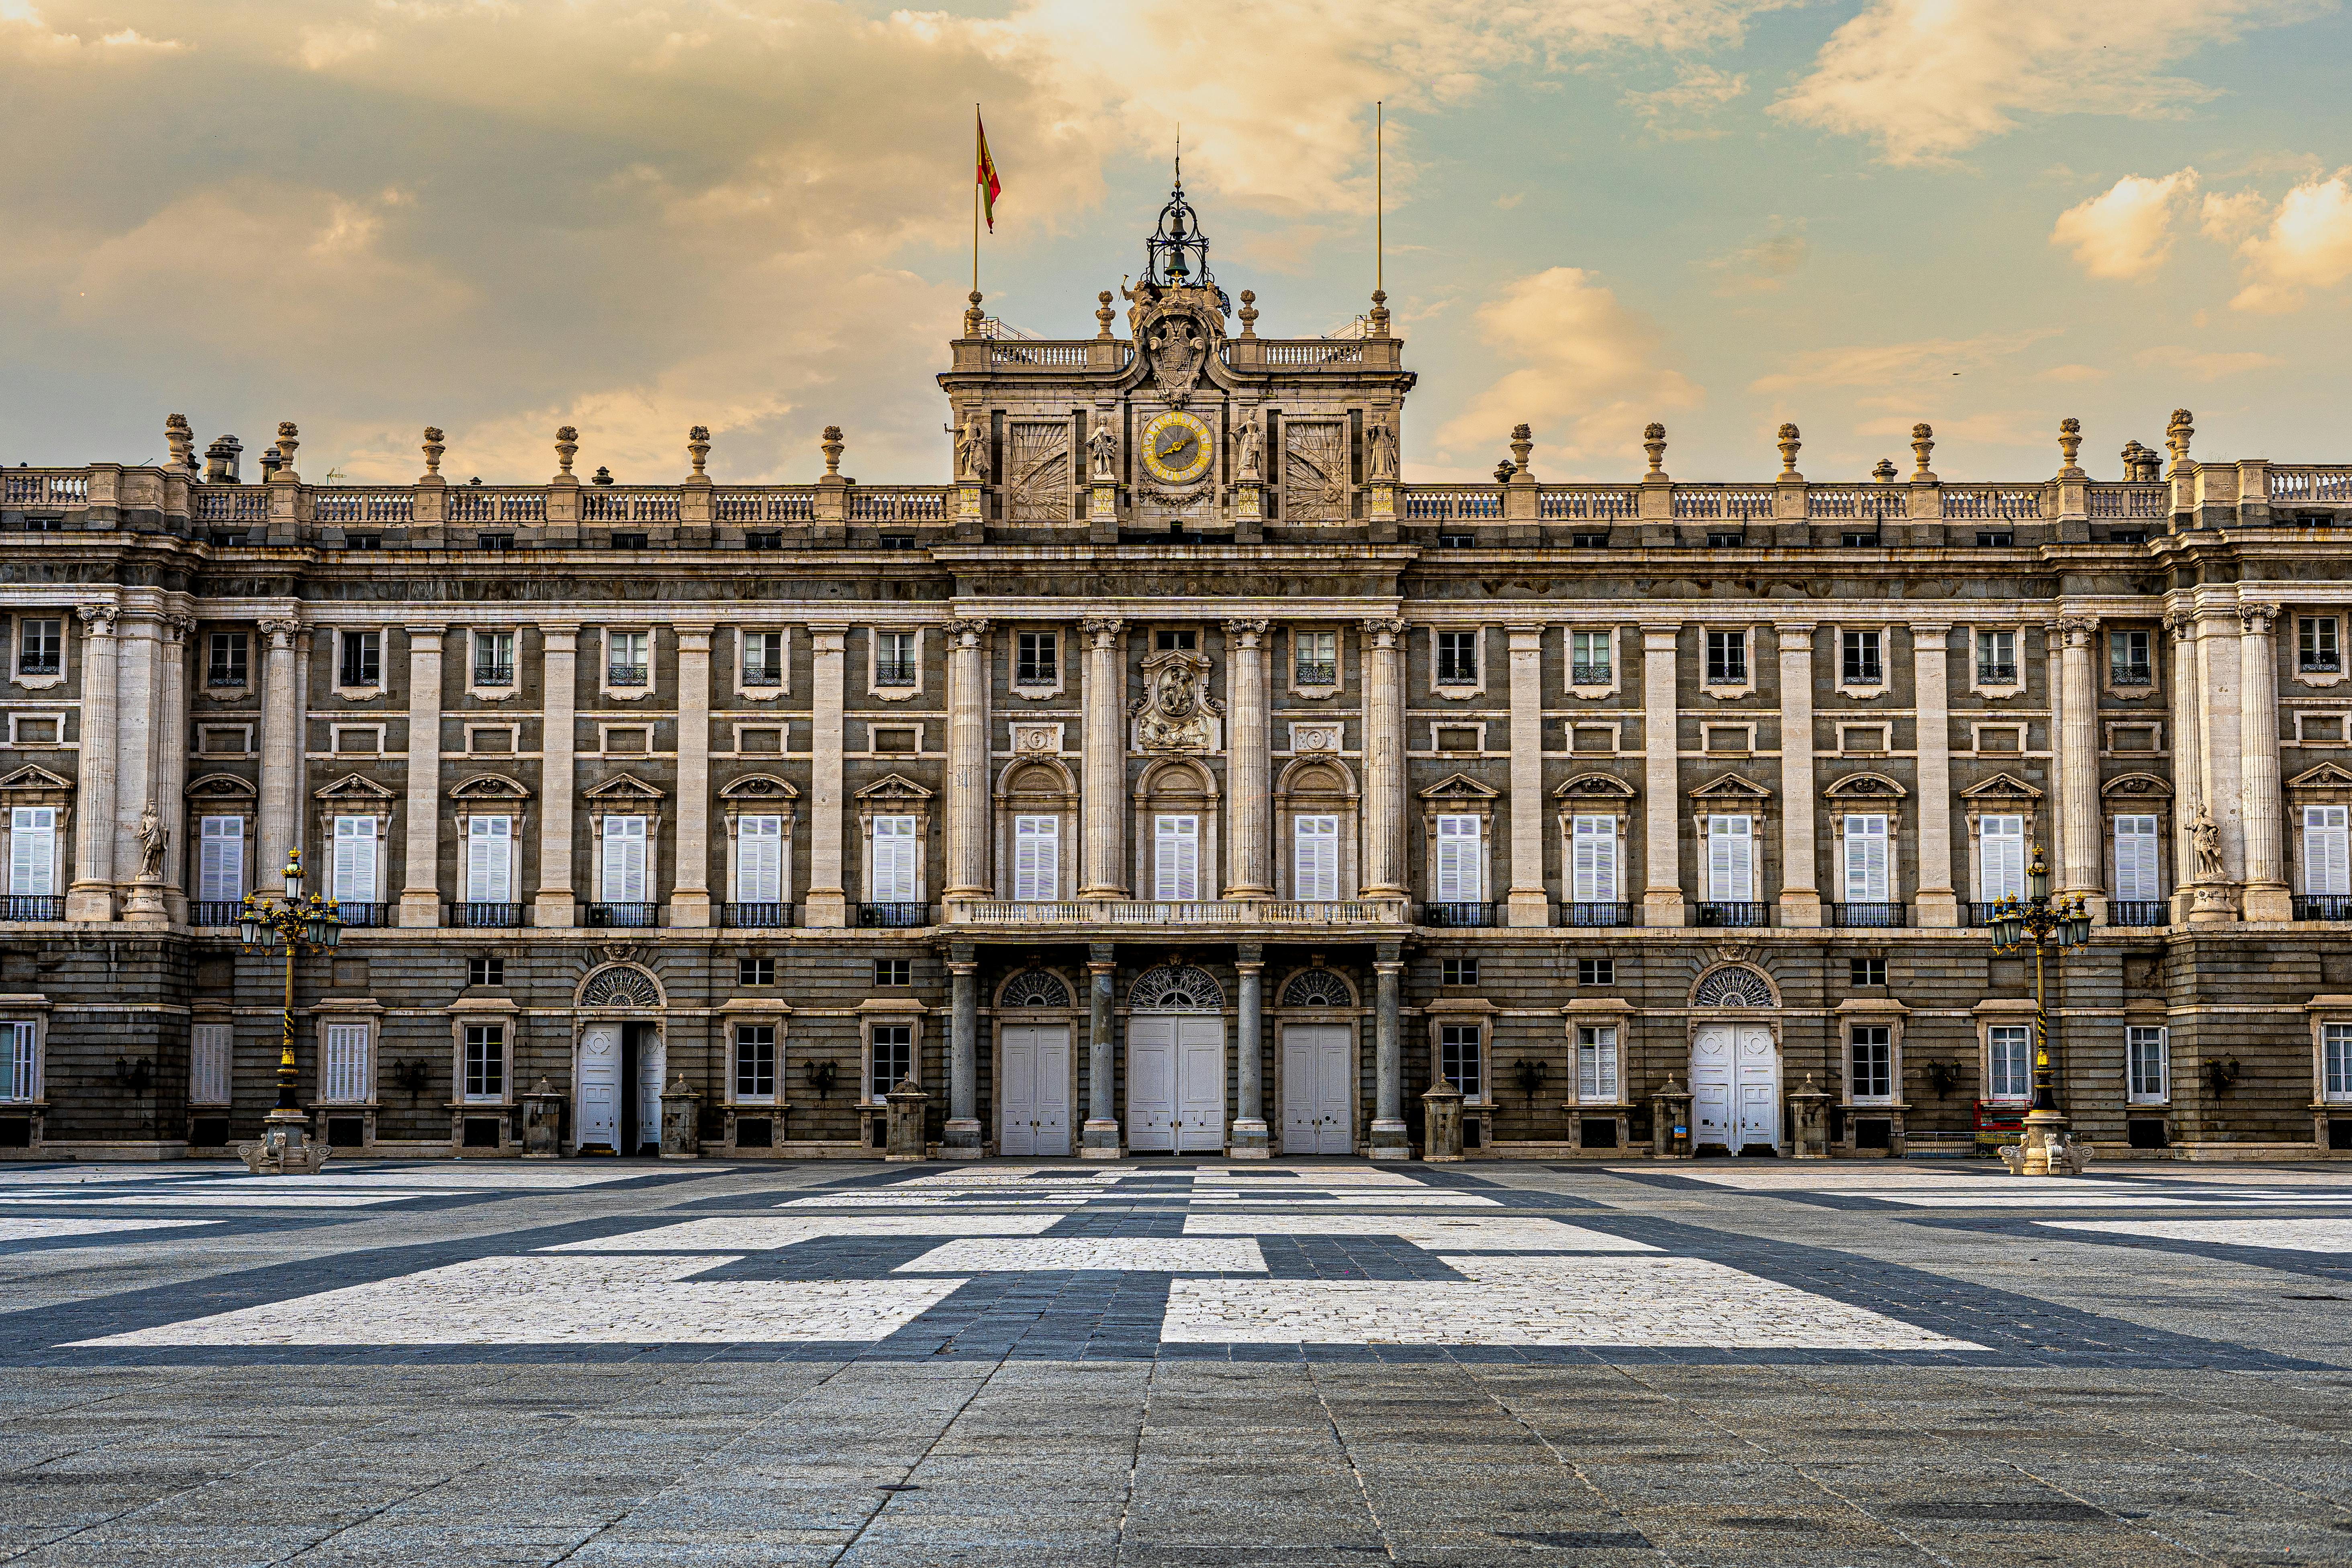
(603, 505)
(1309, 353)
(1861, 503)
(357, 506)
(472, 503)
(2311, 484)
(1025, 355)
(764, 506)
(237, 503)
(1700, 503)
(2128, 501)
(897, 506)
(1439, 506)
(1224, 912)
(1969, 503)
(1585, 504)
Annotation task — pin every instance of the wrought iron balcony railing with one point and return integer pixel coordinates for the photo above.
(636, 916)
(756, 916)
(1734, 914)
(32, 907)
(1871, 916)
(1205, 912)
(2323, 906)
(1596, 912)
(2138, 912)
(485, 916)
(894, 915)
(355, 913)
(1453, 913)
(213, 911)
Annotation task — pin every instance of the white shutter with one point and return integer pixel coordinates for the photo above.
(1036, 858)
(490, 859)
(2001, 857)
(2136, 879)
(892, 857)
(760, 860)
(1457, 860)
(208, 1047)
(354, 864)
(2326, 865)
(1316, 841)
(625, 860)
(1176, 858)
(20, 1077)
(343, 1076)
(33, 850)
(220, 859)
(1593, 854)
(1730, 860)
(1866, 859)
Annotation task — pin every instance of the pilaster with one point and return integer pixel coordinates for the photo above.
(282, 748)
(1530, 904)
(2218, 635)
(420, 892)
(967, 793)
(1383, 852)
(1662, 895)
(1104, 783)
(2188, 768)
(91, 897)
(827, 901)
(689, 899)
(1800, 895)
(139, 669)
(1248, 761)
(2267, 898)
(172, 762)
(2078, 765)
(1935, 901)
(559, 676)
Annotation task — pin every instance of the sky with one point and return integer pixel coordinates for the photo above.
(500, 216)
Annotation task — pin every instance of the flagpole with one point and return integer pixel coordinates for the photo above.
(1380, 195)
(975, 199)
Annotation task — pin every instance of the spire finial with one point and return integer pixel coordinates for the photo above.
(1180, 155)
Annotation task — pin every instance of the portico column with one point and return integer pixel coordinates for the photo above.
(1934, 902)
(139, 663)
(1384, 760)
(1389, 1139)
(2217, 652)
(1248, 762)
(420, 891)
(1249, 1135)
(968, 835)
(2078, 766)
(1100, 1139)
(558, 680)
(961, 1138)
(827, 901)
(90, 896)
(690, 895)
(1800, 893)
(1529, 902)
(1106, 758)
(281, 756)
(2188, 772)
(2266, 889)
(1662, 871)
(172, 762)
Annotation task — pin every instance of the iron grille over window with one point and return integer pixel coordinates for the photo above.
(1726, 658)
(1038, 659)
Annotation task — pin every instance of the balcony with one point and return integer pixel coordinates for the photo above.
(2309, 664)
(215, 911)
(756, 917)
(1996, 674)
(1452, 914)
(1590, 675)
(2130, 675)
(1595, 912)
(1734, 914)
(494, 675)
(2136, 912)
(894, 916)
(1315, 672)
(46, 664)
(2323, 906)
(762, 675)
(625, 675)
(351, 913)
(485, 917)
(1215, 912)
(222, 679)
(1875, 917)
(894, 674)
(33, 907)
(635, 917)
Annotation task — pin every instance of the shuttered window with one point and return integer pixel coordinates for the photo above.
(2000, 858)
(1730, 859)
(1037, 858)
(890, 854)
(208, 1062)
(2335, 1061)
(760, 859)
(1593, 873)
(220, 859)
(33, 850)
(353, 875)
(625, 860)
(1596, 1064)
(20, 1060)
(2136, 879)
(2326, 865)
(1176, 858)
(1316, 841)
(490, 859)
(343, 1074)
(1866, 859)
(2008, 1062)
(1457, 877)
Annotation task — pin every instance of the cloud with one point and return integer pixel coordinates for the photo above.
(2304, 243)
(1893, 364)
(1681, 112)
(1764, 264)
(1928, 80)
(2072, 374)
(1589, 374)
(25, 35)
(2126, 232)
(2193, 365)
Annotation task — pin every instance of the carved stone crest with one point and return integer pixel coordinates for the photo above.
(1176, 712)
(1179, 349)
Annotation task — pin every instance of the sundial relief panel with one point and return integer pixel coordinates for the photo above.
(1037, 471)
(1315, 470)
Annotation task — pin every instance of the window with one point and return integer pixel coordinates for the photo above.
(755, 972)
(1179, 639)
(490, 859)
(1036, 858)
(1457, 972)
(625, 860)
(1730, 859)
(1866, 972)
(1596, 1064)
(344, 1077)
(499, 542)
(760, 860)
(890, 861)
(1176, 858)
(2135, 878)
(1726, 658)
(893, 658)
(896, 542)
(1856, 539)
(1871, 1060)
(894, 971)
(1866, 859)
(764, 658)
(629, 540)
(220, 859)
(361, 661)
(2315, 646)
(1315, 658)
(1037, 658)
(1588, 540)
(33, 850)
(1590, 659)
(1862, 658)
(486, 1061)
(1726, 538)
(357, 542)
(765, 539)
(624, 658)
(2001, 859)
(226, 656)
(893, 1058)
(1316, 869)
(1996, 658)
(486, 971)
(2326, 864)
(1457, 658)
(20, 1060)
(1596, 971)
(40, 645)
(1995, 538)
(494, 659)
(1457, 541)
(2334, 1050)
(755, 1062)
(2146, 1060)
(2128, 659)
(1457, 873)
(209, 1063)
(351, 876)
(1457, 1049)
(1592, 859)
(2008, 1066)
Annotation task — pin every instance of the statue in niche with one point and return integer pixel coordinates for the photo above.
(153, 840)
(1103, 446)
(971, 450)
(1380, 461)
(2206, 836)
(1253, 448)
(1175, 712)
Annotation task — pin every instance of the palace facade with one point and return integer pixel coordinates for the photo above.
(1176, 778)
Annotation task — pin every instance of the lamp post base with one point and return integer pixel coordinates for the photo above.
(2047, 1148)
(284, 1148)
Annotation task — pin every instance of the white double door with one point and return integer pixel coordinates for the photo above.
(1734, 1086)
(1176, 1082)
(1033, 1107)
(1319, 1098)
(600, 1084)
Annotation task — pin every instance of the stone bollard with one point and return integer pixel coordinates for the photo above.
(543, 1122)
(681, 1122)
(1440, 1121)
(1670, 1134)
(904, 1140)
(1810, 1109)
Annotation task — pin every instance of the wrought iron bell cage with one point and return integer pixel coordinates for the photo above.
(1179, 251)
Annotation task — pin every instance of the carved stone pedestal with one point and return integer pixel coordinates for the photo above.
(1810, 1109)
(543, 1122)
(681, 1122)
(1441, 1123)
(145, 904)
(903, 1136)
(2048, 1148)
(284, 1148)
(1670, 1137)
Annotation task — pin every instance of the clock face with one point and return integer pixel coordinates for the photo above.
(1177, 448)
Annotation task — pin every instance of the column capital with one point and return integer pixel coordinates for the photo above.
(2182, 623)
(1101, 628)
(98, 620)
(1248, 631)
(827, 639)
(967, 630)
(2076, 629)
(1796, 635)
(1525, 639)
(2258, 619)
(280, 630)
(963, 966)
(425, 638)
(1938, 629)
(1378, 628)
(1659, 637)
(562, 639)
(177, 626)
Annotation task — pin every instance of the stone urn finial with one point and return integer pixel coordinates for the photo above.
(972, 316)
(698, 447)
(1523, 442)
(1653, 441)
(287, 444)
(2177, 434)
(1249, 313)
(2070, 448)
(1790, 445)
(567, 447)
(433, 448)
(1102, 314)
(831, 447)
(1884, 473)
(1379, 317)
(1923, 447)
(181, 442)
(1503, 473)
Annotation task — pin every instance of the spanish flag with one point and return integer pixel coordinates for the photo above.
(984, 171)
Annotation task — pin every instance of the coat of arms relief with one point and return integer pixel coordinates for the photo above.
(1176, 712)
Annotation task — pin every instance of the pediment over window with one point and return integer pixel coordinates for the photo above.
(2001, 786)
(1731, 787)
(623, 789)
(894, 787)
(2149, 785)
(1866, 786)
(29, 777)
(211, 787)
(488, 786)
(352, 788)
(759, 786)
(1461, 786)
(2326, 776)
(1595, 786)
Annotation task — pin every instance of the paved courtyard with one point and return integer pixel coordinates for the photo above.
(1175, 1362)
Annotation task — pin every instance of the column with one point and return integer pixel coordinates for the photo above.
(137, 665)
(1934, 902)
(827, 901)
(1105, 767)
(420, 890)
(2218, 651)
(1249, 1140)
(2266, 889)
(559, 682)
(1800, 893)
(1529, 902)
(1100, 1139)
(968, 792)
(281, 755)
(1383, 858)
(2078, 766)
(1662, 893)
(690, 895)
(171, 763)
(1248, 764)
(1389, 1139)
(2187, 761)
(961, 1139)
(90, 896)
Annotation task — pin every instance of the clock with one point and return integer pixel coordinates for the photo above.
(1177, 448)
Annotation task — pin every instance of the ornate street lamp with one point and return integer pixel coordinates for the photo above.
(297, 926)
(2045, 923)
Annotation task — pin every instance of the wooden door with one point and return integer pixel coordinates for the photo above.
(1033, 1106)
(1201, 1084)
(1757, 1079)
(1152, 1082)
(598, 1091)
(1710, 1081)
(1317, 1091)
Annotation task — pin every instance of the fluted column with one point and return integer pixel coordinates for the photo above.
(1800, 890)
(961, 1138)
(91, 897)
(1529, 901)
(827, 900)
(1105, 764)
(2218, 654)
(1383, 855)
(171, 763)
(558, 683)
(690, 895)
(1934, 902)
(281, 755)
(967, 794)
(1249, 1140)
(2187, 761)
(1391, 1141)
(1248, 764)
(420, 889)
(2078, 765)
(2267, 896)
(138, 646)
(1662, 871)
(1099, 1138)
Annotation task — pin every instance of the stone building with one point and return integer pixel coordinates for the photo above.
(1176, 778)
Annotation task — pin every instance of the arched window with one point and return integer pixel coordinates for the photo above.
(1035, 988)
(1176, 988)
(1316, 989)
(1733, 988)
